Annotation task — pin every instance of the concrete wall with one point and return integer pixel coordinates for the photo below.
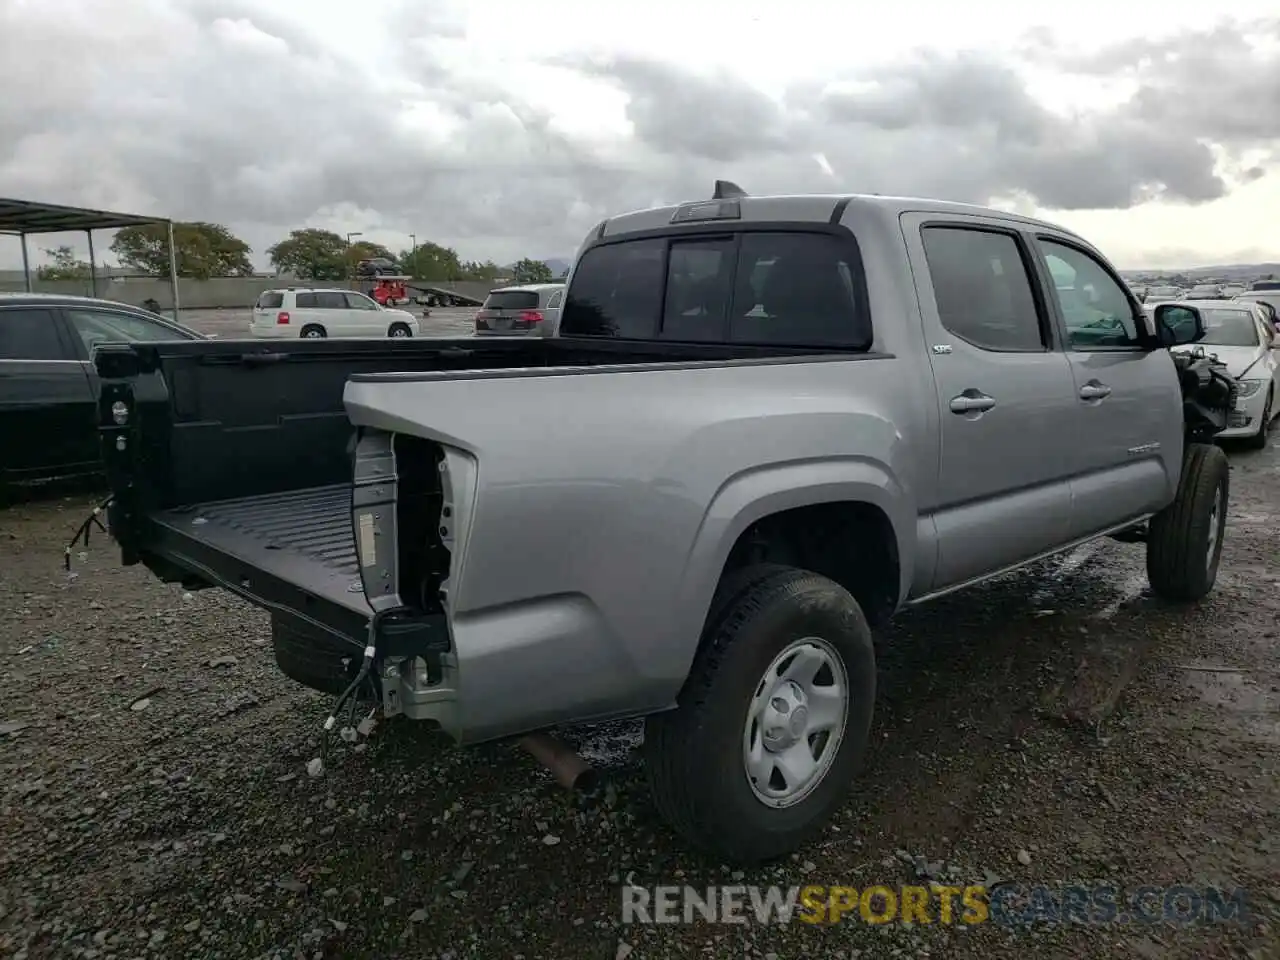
(228, 292)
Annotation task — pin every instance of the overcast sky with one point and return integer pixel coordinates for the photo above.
(506, 128)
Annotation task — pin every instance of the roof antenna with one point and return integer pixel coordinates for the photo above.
(726, 190)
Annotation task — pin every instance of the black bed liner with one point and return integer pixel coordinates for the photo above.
(295, 549)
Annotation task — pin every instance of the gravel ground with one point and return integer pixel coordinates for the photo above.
(1056, 725)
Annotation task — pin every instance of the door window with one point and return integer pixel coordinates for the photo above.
(104, 326)
(29, 333)
(983, 289)
(1095, 305)
(358, 301)
(330, 300)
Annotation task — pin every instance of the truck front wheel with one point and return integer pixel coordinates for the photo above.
(1184, 540)
(774, 718)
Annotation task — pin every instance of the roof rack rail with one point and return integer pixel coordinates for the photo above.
(727, 190)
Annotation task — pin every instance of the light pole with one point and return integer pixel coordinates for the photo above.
(413, 250)
(351, 264)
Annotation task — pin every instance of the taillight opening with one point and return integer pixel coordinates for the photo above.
(282, 317)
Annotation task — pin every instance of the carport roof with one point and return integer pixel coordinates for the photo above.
(26, 216)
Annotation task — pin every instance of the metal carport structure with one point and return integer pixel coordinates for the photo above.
(23, 217)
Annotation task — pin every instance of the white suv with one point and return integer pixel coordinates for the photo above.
(315, 313)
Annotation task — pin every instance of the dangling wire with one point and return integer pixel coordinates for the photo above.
(83, 531)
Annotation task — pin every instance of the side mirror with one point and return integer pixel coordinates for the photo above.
(1178, 325)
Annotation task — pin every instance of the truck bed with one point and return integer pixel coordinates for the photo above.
(303, 536)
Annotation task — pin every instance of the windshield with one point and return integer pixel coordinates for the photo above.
(1229, 328)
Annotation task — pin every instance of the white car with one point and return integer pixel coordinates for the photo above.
(1238, 333)
(314, 314)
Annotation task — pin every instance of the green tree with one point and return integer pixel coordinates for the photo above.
(311, 254)
(65, 266)
(532, 271)
(485, 270)
(430, 261)
(202, 250)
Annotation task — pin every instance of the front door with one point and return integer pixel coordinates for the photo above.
(1004, 393)
(1126, 420)
(44, 393)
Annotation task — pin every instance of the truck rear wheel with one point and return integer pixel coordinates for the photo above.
(772, 723)
(1184, 540)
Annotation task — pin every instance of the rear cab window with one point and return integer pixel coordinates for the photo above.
(792, 288)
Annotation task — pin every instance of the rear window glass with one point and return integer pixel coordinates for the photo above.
(782, 288)
(270, 301)
(512, 300)
(799, 289)
(616, 291)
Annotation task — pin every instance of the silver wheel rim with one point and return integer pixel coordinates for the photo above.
(312, 334)
(1214, 523)
(795, 722)
(399, 332)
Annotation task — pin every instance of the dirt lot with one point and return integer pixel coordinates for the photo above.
(1057, 725)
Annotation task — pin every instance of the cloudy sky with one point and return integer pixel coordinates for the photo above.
(506, 128)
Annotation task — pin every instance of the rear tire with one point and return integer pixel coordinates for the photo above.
(399, 330)
(1184, 540)
(766, 624)
(1259, 440)
(313, 332)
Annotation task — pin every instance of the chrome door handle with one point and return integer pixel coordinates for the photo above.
(1093, 390)
(971, 401)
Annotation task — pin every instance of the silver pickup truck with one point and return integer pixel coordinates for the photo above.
(765, 424)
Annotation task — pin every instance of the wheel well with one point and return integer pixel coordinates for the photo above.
(850, 543)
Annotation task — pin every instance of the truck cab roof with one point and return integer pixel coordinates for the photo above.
(794, 208)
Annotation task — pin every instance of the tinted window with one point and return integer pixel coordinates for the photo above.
(555, 299)
(102, 326)
(28, 333)
(982, 288)
(1095, 306)
(330, 300)
(358, 301)
(271, 301)
(305, 301)
(1266, 285)
(799, 289)
(616, 291)
(699, 275)
(512, 300)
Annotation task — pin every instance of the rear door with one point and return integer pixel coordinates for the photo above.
(1125, 424)
(1004, 392)
(507, 311)
(44, 392)
(267, 310)
(338, 319)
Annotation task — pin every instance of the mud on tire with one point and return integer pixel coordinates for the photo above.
(1184, 540)
(696, 755)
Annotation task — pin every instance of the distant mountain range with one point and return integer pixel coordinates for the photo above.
(1238, 272)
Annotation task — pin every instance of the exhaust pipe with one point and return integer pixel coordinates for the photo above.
(565, 764)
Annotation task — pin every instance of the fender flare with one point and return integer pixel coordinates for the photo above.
(748, 497)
